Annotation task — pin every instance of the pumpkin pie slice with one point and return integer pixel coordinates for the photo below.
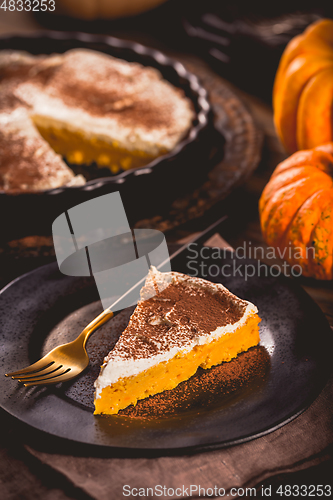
(179, 324)
(27, 162)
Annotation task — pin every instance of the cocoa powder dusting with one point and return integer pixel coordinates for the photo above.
(27, 161)
(207, 310)
(104, 86)
(177, 315)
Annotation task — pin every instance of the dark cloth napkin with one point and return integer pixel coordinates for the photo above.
(302, 443)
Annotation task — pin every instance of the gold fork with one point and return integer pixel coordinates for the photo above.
(63, 362)
(68, 360)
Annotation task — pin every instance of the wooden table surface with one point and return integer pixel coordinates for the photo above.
(242, 225)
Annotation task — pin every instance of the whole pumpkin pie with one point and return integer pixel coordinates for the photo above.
(90, 107)
(179, 324)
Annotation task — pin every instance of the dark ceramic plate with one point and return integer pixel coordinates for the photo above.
(252, 395)
(186, 165)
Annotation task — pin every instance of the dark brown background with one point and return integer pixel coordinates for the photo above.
(299, 453)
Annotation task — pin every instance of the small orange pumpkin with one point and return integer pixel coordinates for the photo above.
(303, 89)
(296, 211)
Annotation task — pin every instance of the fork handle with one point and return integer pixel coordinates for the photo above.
(93, 325)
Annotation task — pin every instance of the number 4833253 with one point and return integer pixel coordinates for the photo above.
(304, 490)
(28, 5)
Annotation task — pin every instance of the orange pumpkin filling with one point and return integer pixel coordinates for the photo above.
(80, 150)
(169, 374)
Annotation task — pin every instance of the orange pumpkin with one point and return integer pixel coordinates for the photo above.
(296, 211)
(303, 89)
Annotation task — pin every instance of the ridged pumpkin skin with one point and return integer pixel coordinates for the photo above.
(296, 211)
(303, 89)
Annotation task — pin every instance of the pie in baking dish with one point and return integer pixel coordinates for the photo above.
(189, 323)
(90, 107)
